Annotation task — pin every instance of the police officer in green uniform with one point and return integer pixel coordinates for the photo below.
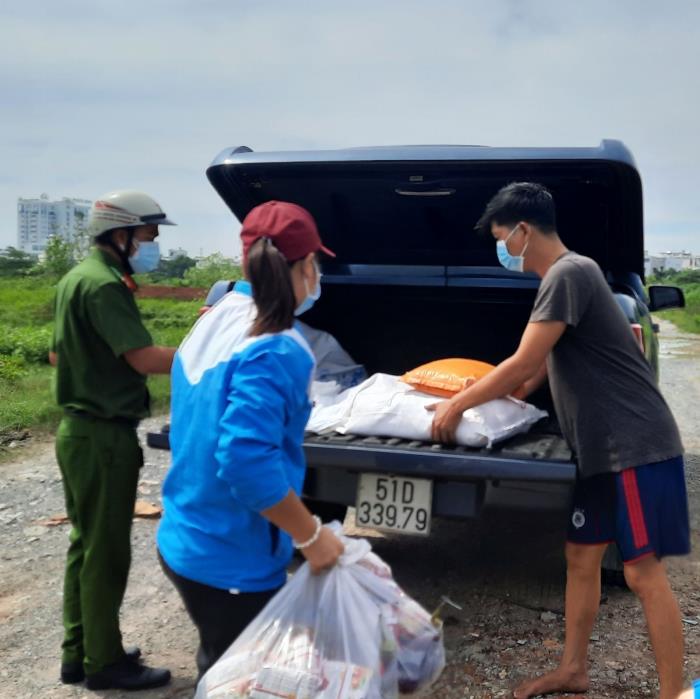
(103, 353)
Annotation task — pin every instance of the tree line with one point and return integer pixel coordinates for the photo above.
(671, 276)
(61, 255)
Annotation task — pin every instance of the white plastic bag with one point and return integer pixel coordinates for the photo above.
(349, 633)
(384, 406)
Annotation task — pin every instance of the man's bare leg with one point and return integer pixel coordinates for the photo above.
(648, 580)
(582, 602)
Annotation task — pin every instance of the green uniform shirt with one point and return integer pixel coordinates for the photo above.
(97, 321)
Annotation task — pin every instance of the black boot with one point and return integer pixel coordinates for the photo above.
(72, 673)
(126, 674)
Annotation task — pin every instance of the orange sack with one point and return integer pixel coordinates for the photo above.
(446, 377)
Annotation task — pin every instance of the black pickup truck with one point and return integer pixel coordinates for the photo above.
(412, 282)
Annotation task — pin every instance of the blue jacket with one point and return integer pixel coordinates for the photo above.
(239, 408)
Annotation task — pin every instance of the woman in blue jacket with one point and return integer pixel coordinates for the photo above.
(240, 403)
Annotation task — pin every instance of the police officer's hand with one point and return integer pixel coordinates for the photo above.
(324, 552)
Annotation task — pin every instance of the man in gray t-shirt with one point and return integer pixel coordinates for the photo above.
(631, 482)
(605, 395)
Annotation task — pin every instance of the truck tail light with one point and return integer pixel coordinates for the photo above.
(638, 334)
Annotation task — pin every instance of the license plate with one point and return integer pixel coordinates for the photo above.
(394, 504)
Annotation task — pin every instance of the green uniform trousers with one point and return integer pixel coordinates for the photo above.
(100, 464)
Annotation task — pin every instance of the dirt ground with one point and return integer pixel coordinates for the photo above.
(505, 570)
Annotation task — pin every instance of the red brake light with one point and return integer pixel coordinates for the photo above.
(638, 334)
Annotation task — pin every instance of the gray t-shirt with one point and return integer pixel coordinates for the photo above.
(606, 399)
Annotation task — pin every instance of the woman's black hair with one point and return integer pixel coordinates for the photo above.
(269, 275)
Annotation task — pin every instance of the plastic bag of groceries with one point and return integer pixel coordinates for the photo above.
(349, 633)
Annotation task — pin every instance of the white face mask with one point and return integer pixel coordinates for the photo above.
(311, 296)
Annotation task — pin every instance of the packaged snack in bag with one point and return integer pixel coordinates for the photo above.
(349, 633)
(344, 681)
(233, 676)
(413, 641)
(276, 682)
(420, 654)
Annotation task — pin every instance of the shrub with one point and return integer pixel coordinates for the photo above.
(11, 368)
(211, 269)
(29, 402)
(31, 344)
(26, 301)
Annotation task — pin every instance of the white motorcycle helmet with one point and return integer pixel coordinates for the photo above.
(125, 208)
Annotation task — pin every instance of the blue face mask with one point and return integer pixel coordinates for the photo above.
(311, 297)
(146, 258)
(514, 263)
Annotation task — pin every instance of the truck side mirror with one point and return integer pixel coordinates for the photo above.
(662, 297)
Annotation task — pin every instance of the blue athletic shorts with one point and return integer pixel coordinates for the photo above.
(644, 510)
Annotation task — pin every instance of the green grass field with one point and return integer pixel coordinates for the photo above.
(688, 318)
(26, 316)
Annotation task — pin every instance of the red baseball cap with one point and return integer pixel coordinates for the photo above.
(289, 226)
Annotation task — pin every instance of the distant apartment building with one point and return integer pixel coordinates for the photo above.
(670, 261)
(40, 219)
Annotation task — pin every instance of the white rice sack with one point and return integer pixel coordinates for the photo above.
(384, 406)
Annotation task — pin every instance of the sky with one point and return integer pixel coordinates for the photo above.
(97, 96)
